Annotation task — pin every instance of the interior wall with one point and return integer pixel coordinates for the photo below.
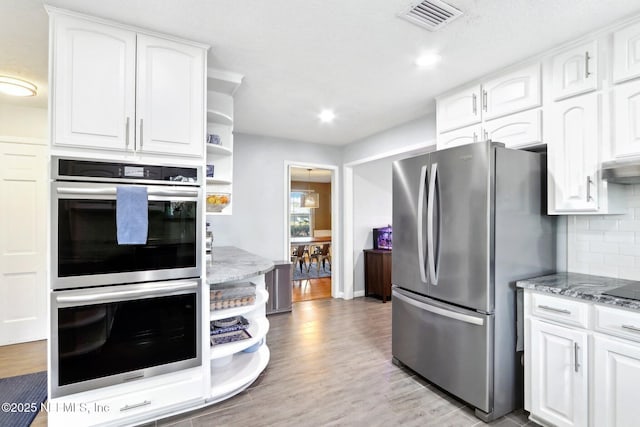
(258, 192)
(321, 215)
(23, 121)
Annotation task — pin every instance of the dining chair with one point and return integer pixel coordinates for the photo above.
(298, 256)
(323, 255)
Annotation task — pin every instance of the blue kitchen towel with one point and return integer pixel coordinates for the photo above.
(132, 218)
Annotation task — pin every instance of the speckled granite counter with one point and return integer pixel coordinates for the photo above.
(582, 286)
(231, 263)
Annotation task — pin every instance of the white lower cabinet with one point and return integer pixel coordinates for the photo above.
(580, 376)
(559, 369)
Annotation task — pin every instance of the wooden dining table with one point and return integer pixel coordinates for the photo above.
(310, 240)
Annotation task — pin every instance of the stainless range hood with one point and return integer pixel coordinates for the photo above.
(622, 171)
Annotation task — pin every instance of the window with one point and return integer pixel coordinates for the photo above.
(300, 219)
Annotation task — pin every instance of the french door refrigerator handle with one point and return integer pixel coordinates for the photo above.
(430, 243)
(437, 310)
(421, 190)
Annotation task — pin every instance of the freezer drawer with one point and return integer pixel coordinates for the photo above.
(449, 346)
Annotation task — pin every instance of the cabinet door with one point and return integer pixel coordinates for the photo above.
(170, 97)
(93, 84)
(512, 92)
(626, 53)
(515, 130)
(616, 380)
(459, 109)
(573, 153)
(559, 369)
(575, 71)
(467, 135)
(627, 119)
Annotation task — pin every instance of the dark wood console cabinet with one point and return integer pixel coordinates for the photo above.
(377, 273)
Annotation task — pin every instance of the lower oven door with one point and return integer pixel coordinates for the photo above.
(114, 334)
(84, 236)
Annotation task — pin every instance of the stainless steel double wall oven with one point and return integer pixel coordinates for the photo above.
(123, 312)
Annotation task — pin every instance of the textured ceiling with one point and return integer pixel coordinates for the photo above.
(298, 57)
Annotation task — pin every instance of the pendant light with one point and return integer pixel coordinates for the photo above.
(311, 199)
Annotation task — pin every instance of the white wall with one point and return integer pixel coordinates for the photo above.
(257, 223)
(23, 121)
(607, 245)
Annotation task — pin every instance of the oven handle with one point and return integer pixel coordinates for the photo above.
(156, 290)
(111, 191)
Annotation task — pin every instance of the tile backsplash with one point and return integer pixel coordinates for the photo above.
(607, 245)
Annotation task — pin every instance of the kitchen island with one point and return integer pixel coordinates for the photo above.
(581, 350)
(229, 263)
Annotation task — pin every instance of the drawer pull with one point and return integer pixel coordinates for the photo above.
(576, 348)
(631, 328)
(556, 310)
(135, 405)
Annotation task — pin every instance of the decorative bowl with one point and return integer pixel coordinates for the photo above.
(216, 202)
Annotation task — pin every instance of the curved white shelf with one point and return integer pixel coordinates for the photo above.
(218, 181)
(258, 329)
(239, 374)
(219, 117)
(219, 150)
(261, 297)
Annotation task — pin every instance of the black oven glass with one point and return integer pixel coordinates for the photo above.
(87, 241)
(100, 340)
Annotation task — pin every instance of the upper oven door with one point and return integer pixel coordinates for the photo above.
(85, 251)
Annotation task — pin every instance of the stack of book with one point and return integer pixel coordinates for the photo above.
(229, 330)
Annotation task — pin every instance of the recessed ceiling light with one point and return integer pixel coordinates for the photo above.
(326, 116)
(427, 60)
(16, 87)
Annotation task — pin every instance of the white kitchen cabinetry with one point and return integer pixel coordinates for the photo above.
(626, 53)
(626, 117)
(482, 104)
(559, 366)
(124, 91)
(574, 71)
(573, 146)
(515, 130)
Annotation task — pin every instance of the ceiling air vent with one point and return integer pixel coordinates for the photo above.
(431, 14)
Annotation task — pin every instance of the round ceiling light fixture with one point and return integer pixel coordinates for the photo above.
(326, 116)
(427, 60)
(17, 87)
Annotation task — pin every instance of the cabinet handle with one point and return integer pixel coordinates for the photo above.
(126, 133)
(631, 328)
(474, 104)
(484, 100)
(141, 134)
(557, 310)
(475, 137)
(486, 135)
(587, 73)
(589, 182)
(576, 365)
(135, 405)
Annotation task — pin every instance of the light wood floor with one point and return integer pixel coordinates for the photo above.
(330, 365)
(307, 290)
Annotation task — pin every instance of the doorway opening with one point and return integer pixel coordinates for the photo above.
(310, 219)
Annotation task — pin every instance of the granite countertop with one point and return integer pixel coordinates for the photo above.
(230, 263)
(582, 286)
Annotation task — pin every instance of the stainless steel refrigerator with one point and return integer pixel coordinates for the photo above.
(468, 222)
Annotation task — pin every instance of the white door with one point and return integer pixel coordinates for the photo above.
(626, 140)
(512, 92)
(170, 109)
(616, 380)
(23, 285)
(459, 109)
(515, 130)
(467, 135)
(575, 71)
(559, 369)
(626, 53)
(94, 84)
(572, 146)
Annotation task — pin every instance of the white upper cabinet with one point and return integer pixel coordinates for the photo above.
(515, 130)
(626, 139)
(170, 97)
(575, 71)
(626, 53)
(466, 135)
(93, 84)
(573, 147)
(124, 91)
(459, 109)
(512, 92)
